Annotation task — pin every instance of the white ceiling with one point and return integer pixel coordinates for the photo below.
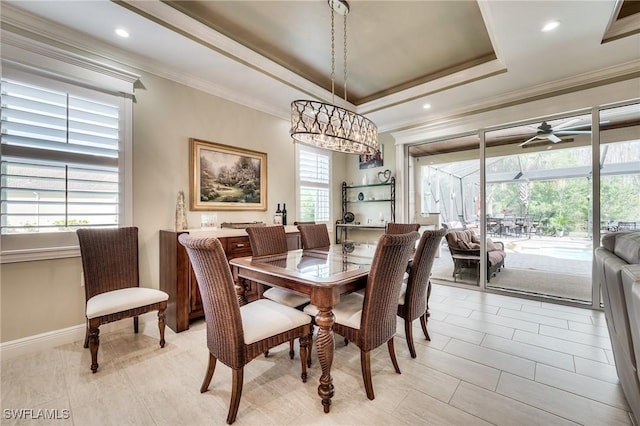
(529, 63)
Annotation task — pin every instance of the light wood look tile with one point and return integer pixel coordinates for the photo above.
(560, 402)
(492, 359)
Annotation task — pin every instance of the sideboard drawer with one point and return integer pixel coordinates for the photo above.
(238, 246)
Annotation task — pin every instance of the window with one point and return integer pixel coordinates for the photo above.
(63, 151)
(314, 171)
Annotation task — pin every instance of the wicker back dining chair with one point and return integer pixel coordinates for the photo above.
(111, 283)
(401, 228)
(267, 241)
(236, 336)
(413, 302)
(314, 236)
(370, 321)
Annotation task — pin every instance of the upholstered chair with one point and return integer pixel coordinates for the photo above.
(370, 320)
(111, 283)
(314, 236)
(236, 335)
(267, 241)
(401, 228)
(413, 302)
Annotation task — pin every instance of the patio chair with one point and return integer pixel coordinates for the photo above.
(626, 226)
(465, 251)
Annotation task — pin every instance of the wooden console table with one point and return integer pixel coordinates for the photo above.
(178, 280)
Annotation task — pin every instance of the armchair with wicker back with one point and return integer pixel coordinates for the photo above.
(112, 288)
(413, 302)
(370, 320)
(314, 236)
(267, 241)
(235, 335)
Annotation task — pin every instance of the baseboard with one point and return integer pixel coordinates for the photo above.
(51, 339)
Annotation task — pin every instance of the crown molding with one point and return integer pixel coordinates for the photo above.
(622, 72)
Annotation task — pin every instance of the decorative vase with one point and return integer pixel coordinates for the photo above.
(181, 213)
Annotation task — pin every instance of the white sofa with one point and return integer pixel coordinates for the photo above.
(618, 269)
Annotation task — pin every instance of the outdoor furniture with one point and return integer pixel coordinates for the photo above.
(111, 284)
(235, 335)
(465, 252)
(626, 226)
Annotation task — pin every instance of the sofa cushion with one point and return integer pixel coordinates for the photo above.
(495, 257)
(491, 246)
(627, 247)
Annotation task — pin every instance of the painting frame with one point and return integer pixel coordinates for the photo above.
(208, 193)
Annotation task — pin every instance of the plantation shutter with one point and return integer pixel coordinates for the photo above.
(313, 178)
(60, 158)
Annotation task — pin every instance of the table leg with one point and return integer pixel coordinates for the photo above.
(325, 347)
(240, 287)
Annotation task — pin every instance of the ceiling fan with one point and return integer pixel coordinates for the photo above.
(546, 132)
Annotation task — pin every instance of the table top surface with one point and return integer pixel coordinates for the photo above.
(322, 267)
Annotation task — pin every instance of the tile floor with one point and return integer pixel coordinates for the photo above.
(492, 359)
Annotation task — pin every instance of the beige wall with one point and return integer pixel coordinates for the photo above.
(42, 296)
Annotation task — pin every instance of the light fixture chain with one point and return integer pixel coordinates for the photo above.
(345, 56)
(333, 59)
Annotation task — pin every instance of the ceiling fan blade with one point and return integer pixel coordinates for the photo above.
(529, 140)
(553, 138)
(573, 132)
(566, 124)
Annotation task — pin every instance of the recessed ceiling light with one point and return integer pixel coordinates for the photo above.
(122, 32)
(550, 26)
(426, 106)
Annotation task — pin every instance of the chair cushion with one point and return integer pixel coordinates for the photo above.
(286, 297)
(264, 318)
(123, 300)
(495, 257)
(403, 288)
(491, 246)
(348, 312)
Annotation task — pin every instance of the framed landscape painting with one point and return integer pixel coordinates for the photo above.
(224, 177)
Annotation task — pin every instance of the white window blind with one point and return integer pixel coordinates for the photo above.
(314, 171)
(60, 158)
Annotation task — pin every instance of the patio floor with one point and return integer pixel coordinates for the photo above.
(548, 266)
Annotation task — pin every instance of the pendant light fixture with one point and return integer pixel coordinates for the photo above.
(329, 126)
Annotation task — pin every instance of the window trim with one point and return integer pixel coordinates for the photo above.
(32, 61)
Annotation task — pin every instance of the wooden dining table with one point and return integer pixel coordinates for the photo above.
(323, 275)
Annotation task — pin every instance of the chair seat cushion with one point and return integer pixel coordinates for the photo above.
(124, 299)
(264, 318)
(286, 297)
(348, 312)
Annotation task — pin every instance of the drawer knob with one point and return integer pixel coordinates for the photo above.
(239, 245)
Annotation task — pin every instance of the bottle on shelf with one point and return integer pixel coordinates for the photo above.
(277, 218)
(284, 213)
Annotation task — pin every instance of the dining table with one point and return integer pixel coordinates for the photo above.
(322, 274)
